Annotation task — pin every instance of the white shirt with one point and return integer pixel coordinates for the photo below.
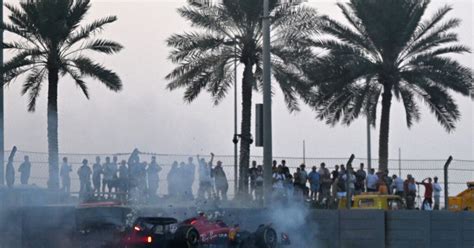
(372, 181)
(397, 184)
(278, 184)
(437, 189)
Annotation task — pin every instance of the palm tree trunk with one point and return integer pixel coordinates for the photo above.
(245, 141)
(53, 78)
(385, 127)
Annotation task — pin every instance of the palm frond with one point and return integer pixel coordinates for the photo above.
(77, 13)
(89, 30)
(89, 68)
(100, 45)
(33, 86)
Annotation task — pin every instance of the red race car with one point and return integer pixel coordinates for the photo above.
(201, 232)
(219, 233)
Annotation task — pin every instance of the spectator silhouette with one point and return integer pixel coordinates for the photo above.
(172, 178)
(84, 173)
(153, 176)
(97, 170)
(25, 171)
(65, 176)
(220, 181)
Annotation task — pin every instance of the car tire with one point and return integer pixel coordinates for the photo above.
(187, 237)
(266, 237)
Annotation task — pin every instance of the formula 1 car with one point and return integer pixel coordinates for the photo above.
(198, 232)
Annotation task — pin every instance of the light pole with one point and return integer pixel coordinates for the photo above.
(2, 132)
(267, 104)
(369, 148)
(236, 139)
(267, 97)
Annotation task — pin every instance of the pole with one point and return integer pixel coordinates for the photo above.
(400, 162)
(304, 152)
(348, 182)
(267, 107)
(235, 119)
(2, 131)
(446, 194)
(369, 152)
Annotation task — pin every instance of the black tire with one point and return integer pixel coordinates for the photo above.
(266, 237)
(186, 237)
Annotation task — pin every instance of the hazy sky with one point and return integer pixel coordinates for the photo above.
(147, 116)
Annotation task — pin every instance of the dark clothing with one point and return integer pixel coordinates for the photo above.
(10, 174)
(335, 175)
(25, 170)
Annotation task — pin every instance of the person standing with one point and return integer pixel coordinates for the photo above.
(190, 173)
(314, 183)
(325, 180)
(220, 181)
(153, 176)
(278, 184)
(114, 171)
(372, 180)
(65, 176)
(303, 179)
(349, 179)
(172, 179)
(436, 193)
(253, 176)
(335, 173)
(84, 173)
(409, 188)
(360, 175)
(397, 186)
(285, 168)
(97, 170)
(205, 179)
(428, 201)
(108, 175)
(25, 170)
(274, 166)
(259, 185)
(123, 179)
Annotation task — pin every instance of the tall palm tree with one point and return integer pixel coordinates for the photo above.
(205, 58)
(52, 43)
(388, 50)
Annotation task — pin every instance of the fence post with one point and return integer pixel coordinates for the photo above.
(446, 195)
(348, 179)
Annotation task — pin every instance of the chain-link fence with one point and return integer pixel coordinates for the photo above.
(460, 171)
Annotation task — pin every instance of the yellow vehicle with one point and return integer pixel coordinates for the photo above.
(374, 201)
(464, 201)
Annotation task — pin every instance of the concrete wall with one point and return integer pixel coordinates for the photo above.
(321, 228)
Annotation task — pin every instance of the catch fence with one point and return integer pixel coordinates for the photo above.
(460, 171)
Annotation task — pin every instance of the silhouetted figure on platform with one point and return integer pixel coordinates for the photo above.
(172, 179)
(97, 170)
(84, 173)
(220, 181)
(25, 171)
(153, 177)
(65, 176)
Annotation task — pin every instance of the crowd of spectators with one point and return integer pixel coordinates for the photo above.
(325, 187)
(112, 178)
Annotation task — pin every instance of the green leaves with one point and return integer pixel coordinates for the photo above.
(410, 59)
(88, 68)
(50, 40)
(204, 58)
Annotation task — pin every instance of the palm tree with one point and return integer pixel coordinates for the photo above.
(389, 50)
(205, 58)
(52, 44)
